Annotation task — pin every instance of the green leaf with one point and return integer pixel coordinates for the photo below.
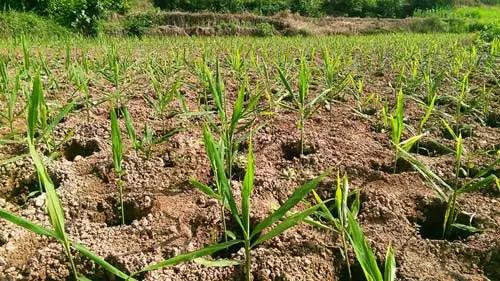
(409, 143)
(57, 119)
(205, 189)
(216, 263)
(101, 262)
(27, 224)
(466, 228)
(33, 105)
(116, 141)
(363, 251)
(129, 125)
(247, 190)
(287, 223)
(449, 129)
(295, 198)
(438, 184)
(189, 256)
(390, 265)
(483, 183)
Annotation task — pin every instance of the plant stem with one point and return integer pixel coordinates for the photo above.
(344, 245)
(71, 262)
(120, 190)
(301, 125)
(248, 260)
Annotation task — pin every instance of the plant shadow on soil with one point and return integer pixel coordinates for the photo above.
(233, 226)
(431, 148)
(467, 131)
(431, 219)
(133, 210)
(291, 150)
(402, 166)
(357, 273)
(491, 264)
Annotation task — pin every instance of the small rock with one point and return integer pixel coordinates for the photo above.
(2, 262)
(40, 201)
(2, 202)
(78, 158)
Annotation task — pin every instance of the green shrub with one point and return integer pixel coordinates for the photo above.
(490, 33)
(83, 16)
(137, 25)
(18, 23)
(429, 25)
(265, 29)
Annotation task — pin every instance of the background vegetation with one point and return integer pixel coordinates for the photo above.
(91, 17)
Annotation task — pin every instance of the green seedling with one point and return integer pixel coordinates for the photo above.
(41, 125)
(338, 223)
(331, 68)
(116, 142)
(79, 75)
(366, 257)
(148, 140)
(450, 194)
(242, 117)
(252, 236)
(301, 103)
(163, 98)
(10, 96)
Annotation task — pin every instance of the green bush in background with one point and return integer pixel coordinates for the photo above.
(84, 16)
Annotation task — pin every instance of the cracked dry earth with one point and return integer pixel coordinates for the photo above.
(166, 216)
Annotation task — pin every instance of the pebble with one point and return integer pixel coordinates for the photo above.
(2, 262)
(40, 201)
(78, 158)
(2, 202)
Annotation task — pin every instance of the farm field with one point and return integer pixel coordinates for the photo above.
(369, 157)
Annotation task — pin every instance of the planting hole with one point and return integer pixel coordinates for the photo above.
(227, 253)
(431, 149)
(134, 209)
(493, 120)
(77, 148)
(432, 218)
(492, 264)
(30, 188)
(465, 130)
(402, 166)
(356, 272)
(292, 150)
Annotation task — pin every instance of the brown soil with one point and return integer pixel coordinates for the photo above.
(166, 216)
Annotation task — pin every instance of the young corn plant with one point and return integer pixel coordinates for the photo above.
(10, 96)
(149, 139)
(366, 257)
(336, 217)
(116, 142)
(251, 236)
(301, 103)
(449, 194)
(163, 98)
(396, 122)
(79, 75)
(44, 124)
(237, 123)
(331, 68)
